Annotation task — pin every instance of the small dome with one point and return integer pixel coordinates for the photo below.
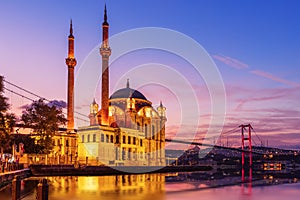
(127, 93)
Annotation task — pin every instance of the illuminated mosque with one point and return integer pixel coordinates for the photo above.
(127, 130)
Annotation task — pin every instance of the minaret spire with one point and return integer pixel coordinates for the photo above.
(105, 52)
(71, 28)
(105, 14)
(71, 63)
(71, 42)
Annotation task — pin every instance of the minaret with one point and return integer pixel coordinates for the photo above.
(105, 52)
(160, 147)
(71, 63)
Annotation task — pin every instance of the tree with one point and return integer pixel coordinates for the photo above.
(7, 120)
(45, 120)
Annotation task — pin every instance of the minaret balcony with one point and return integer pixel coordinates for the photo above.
(105, 51)
(71, 62)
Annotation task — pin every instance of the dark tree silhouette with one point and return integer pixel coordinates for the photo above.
(29, 143)
(7, 120)
(45, 120)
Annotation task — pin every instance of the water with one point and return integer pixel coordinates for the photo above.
(176, 186)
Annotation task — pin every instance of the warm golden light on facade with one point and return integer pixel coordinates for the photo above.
(127, 130)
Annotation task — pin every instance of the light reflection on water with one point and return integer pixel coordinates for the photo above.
(123, 187)
(168, 187)
(278, 192)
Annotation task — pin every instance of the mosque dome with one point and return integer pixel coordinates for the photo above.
(127, 92)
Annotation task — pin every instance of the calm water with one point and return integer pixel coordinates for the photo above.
(166, 187)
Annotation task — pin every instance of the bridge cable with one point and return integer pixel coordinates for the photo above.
(30, 99)
(40, 97)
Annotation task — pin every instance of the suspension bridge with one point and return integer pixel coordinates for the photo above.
(234, 133)
(242, 133)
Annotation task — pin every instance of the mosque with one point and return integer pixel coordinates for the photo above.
(127, 130)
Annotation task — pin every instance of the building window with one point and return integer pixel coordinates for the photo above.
(124, 139)
(111, 139)
(134, 155)
(129, 154)
(107, 138)
(146, 130)
(129, 140)
(153, 131)
(88, 139)
(102, 137)
(141, 142)
(117, 139)
(138, 126)
(67, 143)
(94, 138)
(134, 140)
(123, 154)
(82, 138)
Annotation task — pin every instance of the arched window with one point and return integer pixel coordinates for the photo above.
(88, 139)
(82, 138)
(117, 139)
(134, 140)
(129, 140)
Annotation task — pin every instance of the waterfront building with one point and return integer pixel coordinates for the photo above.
(127, 130)
(64, 148)
(64, 151)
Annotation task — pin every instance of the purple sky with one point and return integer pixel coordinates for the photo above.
(255, 45)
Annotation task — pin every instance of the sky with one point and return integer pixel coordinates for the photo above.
(255, 46)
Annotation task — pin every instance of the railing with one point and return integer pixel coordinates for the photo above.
(7, 177)
(41, 190)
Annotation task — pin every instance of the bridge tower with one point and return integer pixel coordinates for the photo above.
(245, 138)
(244, 129)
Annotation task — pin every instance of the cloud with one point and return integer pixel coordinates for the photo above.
(274, 78)
(232, 62)
(256, 99)
(57, 103)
